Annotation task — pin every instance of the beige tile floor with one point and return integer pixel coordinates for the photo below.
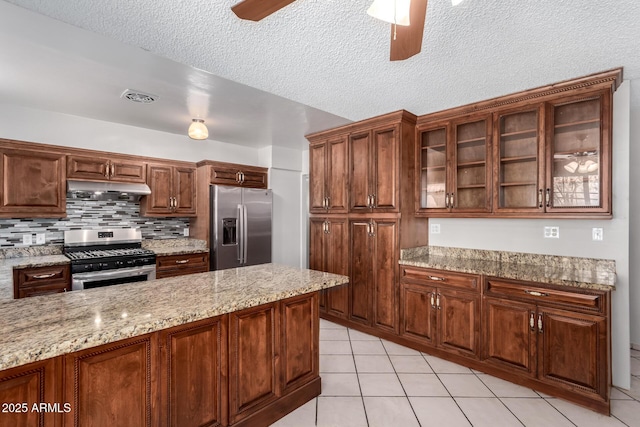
(367, 381)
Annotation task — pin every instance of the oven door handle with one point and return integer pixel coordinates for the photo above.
(114, 274)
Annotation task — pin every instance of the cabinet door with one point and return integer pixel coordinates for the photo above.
(33, 184)
(385, 275)
(359, 172)
(253, 376)
(572, 350)
(471, 174)
(184, 191)
(160, 180)
(417, 313)
(128, 170)
(458, 321)
(361, 272)
(299, 361)
(317, 233)
(336, 179)
(254, 178)
(193, 383)
(431, 165)
(519, 154)
(225, 175)
(318, 177)
(385, 169)
(510, 335)
(92, 376)
(26, 386)
(579, 154)
(85, 167)
(337, 255)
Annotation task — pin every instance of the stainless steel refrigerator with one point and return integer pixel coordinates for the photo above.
(241, 226)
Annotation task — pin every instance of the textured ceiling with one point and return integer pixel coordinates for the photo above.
(331, 56)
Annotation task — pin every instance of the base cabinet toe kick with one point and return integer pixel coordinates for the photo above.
(246, 368)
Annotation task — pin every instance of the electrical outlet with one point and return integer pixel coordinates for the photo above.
(185, 232)
(597, 234)
(435, 228)
(552, 232)
(40, 239)
(27, 239)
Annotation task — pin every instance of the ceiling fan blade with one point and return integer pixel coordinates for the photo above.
(408, 40)
(255, 10)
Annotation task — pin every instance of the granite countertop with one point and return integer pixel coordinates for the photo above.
(38, 328)
(176, 246)
(588, 273)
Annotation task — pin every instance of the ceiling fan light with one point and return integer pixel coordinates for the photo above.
(198, 130)
(391, 11)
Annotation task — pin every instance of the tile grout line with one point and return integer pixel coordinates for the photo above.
(355, 366)
(401, 385)
(497, 397)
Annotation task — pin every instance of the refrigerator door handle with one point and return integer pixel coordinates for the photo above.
(245, 235)
(240, 233)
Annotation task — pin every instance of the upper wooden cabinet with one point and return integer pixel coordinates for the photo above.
(547, 154)
(112, 168)
(33, 184)
(454, 164)
(235, 174)
(173, 191)
(328, 175)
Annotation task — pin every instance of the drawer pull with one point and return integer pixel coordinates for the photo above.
(536, 293)
(43, 276)
(437, 279)
(182, 261)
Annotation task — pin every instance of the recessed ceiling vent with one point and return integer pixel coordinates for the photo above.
(137, 96)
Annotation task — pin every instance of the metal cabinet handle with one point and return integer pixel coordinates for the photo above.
(548, 197)
(540, 198)
(437, 279)
(241, 177)
(371, 229)
(540, 322)
(452, 200)
(373, 201)
(532, 322)
(113, 170)
(182, 261)
(106, 170)
(438, 302)
(175, 203)
(536, 293)
(238, 176)
(43, 276)
(328, 202)
(446, 200)
(433, 304)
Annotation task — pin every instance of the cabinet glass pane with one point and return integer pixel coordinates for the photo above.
(518, 167)
(576, 155)
(433, 160)
(471, 158)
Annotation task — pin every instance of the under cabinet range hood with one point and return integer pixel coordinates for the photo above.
(90, 190)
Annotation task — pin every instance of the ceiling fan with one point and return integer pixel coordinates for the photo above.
(406, 41)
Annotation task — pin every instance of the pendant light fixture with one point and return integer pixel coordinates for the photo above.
(197, 130)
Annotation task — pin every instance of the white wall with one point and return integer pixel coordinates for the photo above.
(47, 127)
(634, 226)
(522, 235)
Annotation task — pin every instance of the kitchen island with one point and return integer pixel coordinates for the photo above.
(229, 347)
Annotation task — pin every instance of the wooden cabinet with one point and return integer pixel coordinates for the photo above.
(374, 169)
(549, 154)
(33, 183)
(441, 309)
(34, 281)
(374, 299)
(454, 163)
(111, 168)
(23, 387)
(329, 251)
(113, 384)
(328, 175)
(179, 265)
(193, 380)
(555, 336)
(173, 191)
(235, 174)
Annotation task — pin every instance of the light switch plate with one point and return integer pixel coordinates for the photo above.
(434, 228)
(552, 232)
(40, 239)
(597, 234)
(27, 239)
(185, 232)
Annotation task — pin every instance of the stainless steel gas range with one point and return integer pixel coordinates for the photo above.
(107, 257)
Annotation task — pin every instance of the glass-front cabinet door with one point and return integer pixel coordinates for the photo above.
(578, 160)
(519, 173)
(432, 164)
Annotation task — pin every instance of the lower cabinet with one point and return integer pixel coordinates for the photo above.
(179, 265)
(34, 281)
(441, 309)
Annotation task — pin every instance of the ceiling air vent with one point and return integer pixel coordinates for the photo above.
(137, 96)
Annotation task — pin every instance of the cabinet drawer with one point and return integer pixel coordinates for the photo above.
(184, 261)
(181, 271)
(540, 294)
(27, 277)
(440, 277)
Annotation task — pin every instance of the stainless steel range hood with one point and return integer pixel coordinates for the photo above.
(90, 190)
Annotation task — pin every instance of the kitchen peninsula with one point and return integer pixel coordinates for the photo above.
(228, 347)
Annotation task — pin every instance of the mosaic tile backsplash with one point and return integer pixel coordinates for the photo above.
(91, 214)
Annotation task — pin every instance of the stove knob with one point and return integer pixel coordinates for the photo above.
(97, 266)
(130, 262)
